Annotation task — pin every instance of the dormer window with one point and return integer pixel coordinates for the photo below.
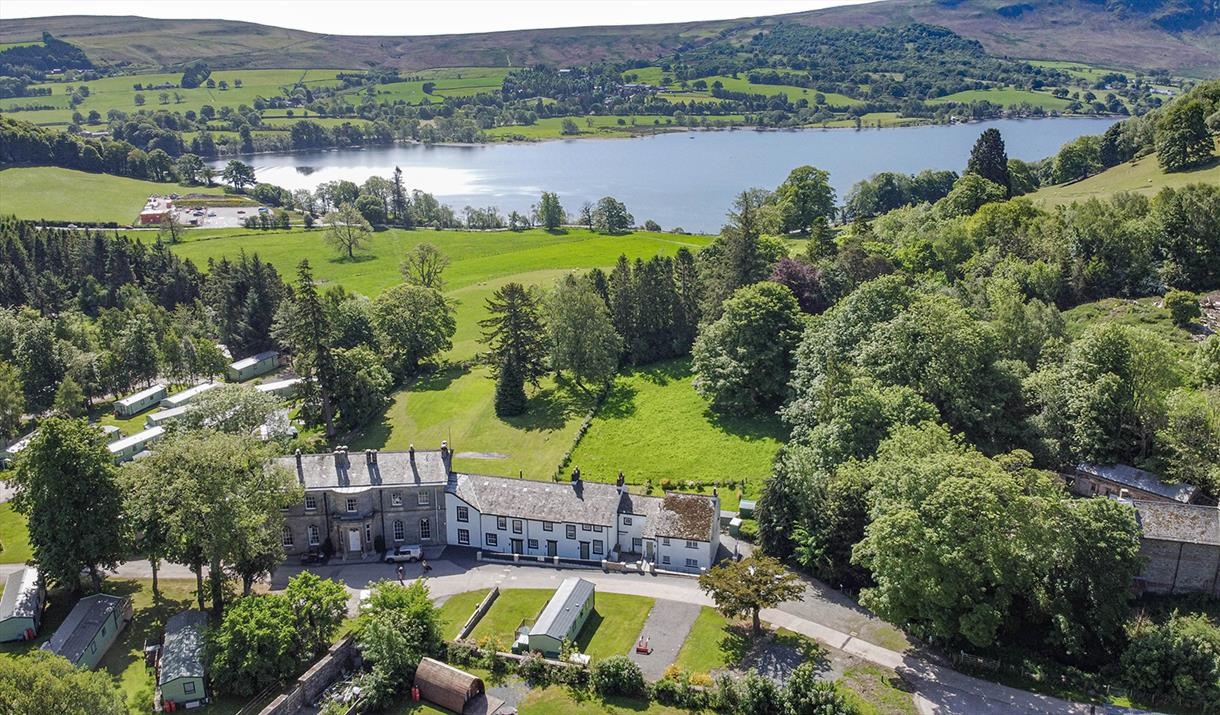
(396, 499)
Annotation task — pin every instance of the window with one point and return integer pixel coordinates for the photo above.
(626, 521)
(400, 533)
(423, 499)
(464, 537)
(597, 546)
(314, 536)
(571, 531)
(188, 687)
(287, 536)
(692, 544)
(516, 526)
(368, 534)
(501, 523)
(586, 527)
(311, 502)
(492, 539)
(597, 529)
(395, 499)
(665, 541)
(463, 513)
(548, 526)
(665, 559)
(692, 563)
(425, 530)
(533, 544)
(351, 505)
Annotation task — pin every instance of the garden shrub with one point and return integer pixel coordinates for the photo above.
(617, 675)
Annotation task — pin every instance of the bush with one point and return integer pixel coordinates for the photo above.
(461, 654)
(1183, 307)
(749, 531)
(532, 668)
(1178, 660)
(617, 675)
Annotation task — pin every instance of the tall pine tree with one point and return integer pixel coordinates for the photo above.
(515, 334)
(989, 159)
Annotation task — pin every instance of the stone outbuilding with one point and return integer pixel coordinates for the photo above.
(1180, 546)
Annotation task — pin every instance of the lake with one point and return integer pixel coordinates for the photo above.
(685, 179)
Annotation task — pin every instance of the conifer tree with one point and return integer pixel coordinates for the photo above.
(989, 159)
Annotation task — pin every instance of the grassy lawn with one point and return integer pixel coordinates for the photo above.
(55, 194)
(614, 625)
(1139, 176)
(714, 643)
(876, 691)
(556, 700)
(655, 426)
(14, 538)
(458, 608)
(512, 606)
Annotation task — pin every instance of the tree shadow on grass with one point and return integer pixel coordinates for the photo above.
(663, 373)
(749, 428)
(360, 258)
(549, 409)
(619, 402)
(588, 630)
(440, 378)
(736, 643)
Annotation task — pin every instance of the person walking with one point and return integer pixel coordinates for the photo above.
(424, 563)
(402, 575)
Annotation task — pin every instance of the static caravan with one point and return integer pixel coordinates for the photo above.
(181, 677)
(90, 629)
(128, 447)
(563, 617)
(254, 366)
(21, 605)
(281, 388)
(140, 401)
(11, 452)
(161, 418)
(181, 398)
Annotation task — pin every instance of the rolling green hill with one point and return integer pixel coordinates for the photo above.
(1140, 176)
(1174, 34)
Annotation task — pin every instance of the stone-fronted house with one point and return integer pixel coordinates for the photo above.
(1180, 546)
(583, 521)
(363, 499)
(1111, 480)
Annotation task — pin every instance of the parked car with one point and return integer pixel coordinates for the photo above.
(313, 556)
(414, 552)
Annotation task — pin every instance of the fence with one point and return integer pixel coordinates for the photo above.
(479, 612)
(314, 681)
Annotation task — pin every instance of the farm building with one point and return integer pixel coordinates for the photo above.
(452, 689)
(1180, 546)
(160, 418)
(140, 401)
(254, 366)
(153, 217)
(128, 447)
(181, 677)
(90, 629)
(563, 617)
(21, 605)
(281, 388)
(181, 398)
(1112, 480)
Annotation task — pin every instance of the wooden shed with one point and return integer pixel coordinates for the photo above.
(442, 684)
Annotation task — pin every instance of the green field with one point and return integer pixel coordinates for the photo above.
(714, 643)
(513, 605)
(654, 76)
(654, 426)
(119, 93)
(1005, 97)
(456, 609)
(14, 537)
(1140, 176)
(448, 82)
(55, 194)
(614, 625)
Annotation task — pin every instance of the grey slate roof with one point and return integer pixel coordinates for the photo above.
(1188, 523)
(561, 611)
(1128, 476)
(684, 516)
(182, 652)
(82, 624)
(20, 599)
(574, 503)
(641, 505)
(253, 360)
(336, 470)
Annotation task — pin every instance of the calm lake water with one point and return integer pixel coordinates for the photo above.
(685, 179)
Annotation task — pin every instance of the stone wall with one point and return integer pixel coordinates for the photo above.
(314, 681)
(1179, 567)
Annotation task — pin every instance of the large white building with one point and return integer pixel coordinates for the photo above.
(582, 521)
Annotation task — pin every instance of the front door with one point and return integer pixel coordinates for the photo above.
(636, 545)
(648, 553)
(584, 551)
(353, 539)
(517, 546)
(552, 548)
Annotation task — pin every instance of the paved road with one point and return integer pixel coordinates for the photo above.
(825, 617)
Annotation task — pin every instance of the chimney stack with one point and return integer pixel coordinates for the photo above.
(444, 447)
(622, 480)
(411, 452)
(576, 475)
(300, 469)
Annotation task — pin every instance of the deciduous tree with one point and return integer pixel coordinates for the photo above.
(805, 199)
(743, 588)
(40, 682)
(12, 400)
(582, 339)
(550, 211)
(413, 324)
(347, 230)
(424, 265)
